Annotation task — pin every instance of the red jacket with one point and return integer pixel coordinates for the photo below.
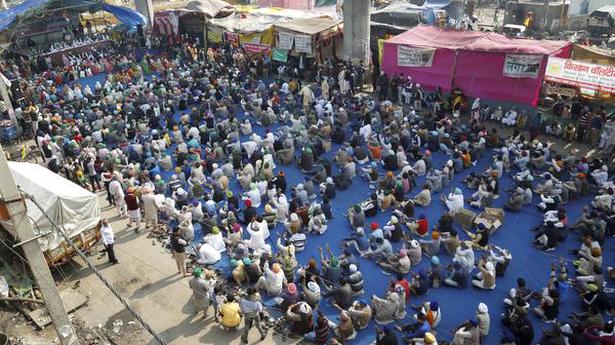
(132, 203)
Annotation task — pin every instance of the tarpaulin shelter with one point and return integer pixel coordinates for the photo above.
(593, 54)
(210, 8)
(190, 18)
(601, 22)
(482, 64)
(30, 12)
(70, 206)
(312, 36)
(294, 4)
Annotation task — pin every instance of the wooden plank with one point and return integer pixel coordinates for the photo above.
(72, 300)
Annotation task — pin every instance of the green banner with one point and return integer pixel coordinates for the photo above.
(321, 3)
(280, 55)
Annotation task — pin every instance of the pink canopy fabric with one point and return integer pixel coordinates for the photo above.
(433, 37)
(472, 61)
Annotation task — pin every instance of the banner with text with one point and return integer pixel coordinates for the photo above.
(257, 48)
(522, 66)
(414, 57)
(303, 44)
(232, 37)
(581, 74)
(279, 55)
(285, 41)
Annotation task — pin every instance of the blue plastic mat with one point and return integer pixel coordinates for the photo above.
(457, 305)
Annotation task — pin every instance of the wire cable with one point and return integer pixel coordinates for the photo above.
(97, 273)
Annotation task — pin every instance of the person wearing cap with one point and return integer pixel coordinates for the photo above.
(331, 270)
(385, 335)
(600, 176)
(430, 339)
(423, 198)
(484, 321)
(399, 263)
(300, 319)
(289, 297)
(419, 168)
(251, 308)
(458, 277)
(604, 200)
(238, 273)
(454, 201)
(359, 241)
(389, 308)
(480, 239)
(355, 279)
(200, 291)
(415, 332)
(432, 246)
(208, 253)
(420, 226)
(436, 273)
(468, 334)
(230, 313)
(485, 279)
(392, 230)
(272, 281)
(382, 251)
(310, 291)
(117, 191)
(515, 201)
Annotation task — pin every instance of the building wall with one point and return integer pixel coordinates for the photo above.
(545, 17)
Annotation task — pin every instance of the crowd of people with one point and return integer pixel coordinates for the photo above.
(190, 136)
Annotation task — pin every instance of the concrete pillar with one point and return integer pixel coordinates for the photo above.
(356, 30)
(146, 8)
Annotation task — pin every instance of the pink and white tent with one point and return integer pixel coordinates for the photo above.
(481, 64)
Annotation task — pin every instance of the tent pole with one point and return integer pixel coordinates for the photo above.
(453, 70)
(16, 206)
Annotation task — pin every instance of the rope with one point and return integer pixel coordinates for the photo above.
(98, 274)
(14, 252)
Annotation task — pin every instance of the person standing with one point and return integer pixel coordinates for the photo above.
(115, 187)
(108, 238)
(200, 292)
(107, 177)
(251, 308)
(150, 209)
(178, 248)
(134, 212)
(93, 174)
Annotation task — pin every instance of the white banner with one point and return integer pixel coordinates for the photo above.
(303, 44)
(584, 75)
(285, 41)
(414, 57)
(522, 65)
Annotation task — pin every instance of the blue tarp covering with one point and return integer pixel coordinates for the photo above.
(125, 15)
(8, 16)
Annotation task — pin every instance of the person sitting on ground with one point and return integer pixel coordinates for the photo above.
(398, 263)
(272, 281)
(230, 313)
(485, 279)
(423, 198)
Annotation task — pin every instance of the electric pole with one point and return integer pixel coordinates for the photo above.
(16, 207)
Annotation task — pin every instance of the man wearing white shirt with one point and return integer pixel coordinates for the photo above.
(108, 238)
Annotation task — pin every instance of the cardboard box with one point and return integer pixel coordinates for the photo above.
(492, 218)
(464, 218)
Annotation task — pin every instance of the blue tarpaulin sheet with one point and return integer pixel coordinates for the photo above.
(9, 15)
(125, 15)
